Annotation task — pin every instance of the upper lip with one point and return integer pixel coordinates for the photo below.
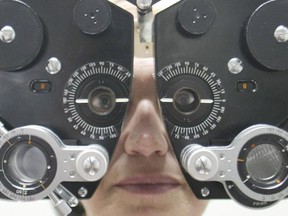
(148, 179)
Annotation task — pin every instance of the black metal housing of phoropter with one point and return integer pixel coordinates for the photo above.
(65, 74)
(221, 72)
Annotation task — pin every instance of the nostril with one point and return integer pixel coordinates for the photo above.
(146, 144)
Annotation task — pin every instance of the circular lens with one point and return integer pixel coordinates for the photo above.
(102, 100)
(27, 163)
(265, 163)
(186, 100)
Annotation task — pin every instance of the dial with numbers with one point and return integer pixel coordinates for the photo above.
(192, 98)
(95, 99)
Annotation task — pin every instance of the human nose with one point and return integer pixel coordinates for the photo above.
(146, 134)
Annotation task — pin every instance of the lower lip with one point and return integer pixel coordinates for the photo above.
(148, 189)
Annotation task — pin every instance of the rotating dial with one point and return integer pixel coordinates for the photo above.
(95, 99)
(262, 164)
(253, 168)
(192, 98)
(28, 162)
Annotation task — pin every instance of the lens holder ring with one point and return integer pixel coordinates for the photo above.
(48, 144)
(66, 163)
(241, 198)
(50, 158)
(239, 143)
(229, 157)
(264, 144)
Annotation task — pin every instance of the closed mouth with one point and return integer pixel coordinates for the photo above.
(148, 185)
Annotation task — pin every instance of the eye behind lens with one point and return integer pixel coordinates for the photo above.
(102, 100)
(186, 100)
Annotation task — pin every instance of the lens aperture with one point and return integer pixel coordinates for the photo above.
(27, 163)
(186, 100)
(265, 163)
(102, 100)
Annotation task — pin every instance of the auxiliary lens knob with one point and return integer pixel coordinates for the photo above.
(93, 163)
(200, 163)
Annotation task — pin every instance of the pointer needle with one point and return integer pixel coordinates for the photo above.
(166, 100)
(206, 101)
(171, 100)
(81, 101)
(117, 100)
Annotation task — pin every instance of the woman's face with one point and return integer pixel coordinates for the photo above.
(144, 177)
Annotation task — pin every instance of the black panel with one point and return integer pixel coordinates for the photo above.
(206, 43)
(29, 94)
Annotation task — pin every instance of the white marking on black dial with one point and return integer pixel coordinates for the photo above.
(95, 99)
(192, 98)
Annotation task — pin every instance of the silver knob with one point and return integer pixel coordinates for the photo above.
(144, 5)
(53, 66)
(83, 192)
(235, 65)
(93, 163)
(281, 34)
(7, 34)
(201, 163)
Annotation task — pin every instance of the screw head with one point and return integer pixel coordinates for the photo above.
(205, 192)
(7, 34)
(72, 174)
(235, 65)
(82, 192)
(53, 66)
(281, 34)
(73, 202)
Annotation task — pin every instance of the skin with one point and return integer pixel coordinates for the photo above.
(144, 177)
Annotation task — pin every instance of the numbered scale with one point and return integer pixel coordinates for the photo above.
(192, 99)
(95, 99)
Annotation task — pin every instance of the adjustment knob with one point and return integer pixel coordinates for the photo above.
(196, 16)
(92, 17)
(200, 163)
(267, 35)
(21, 35)
(93, 163)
